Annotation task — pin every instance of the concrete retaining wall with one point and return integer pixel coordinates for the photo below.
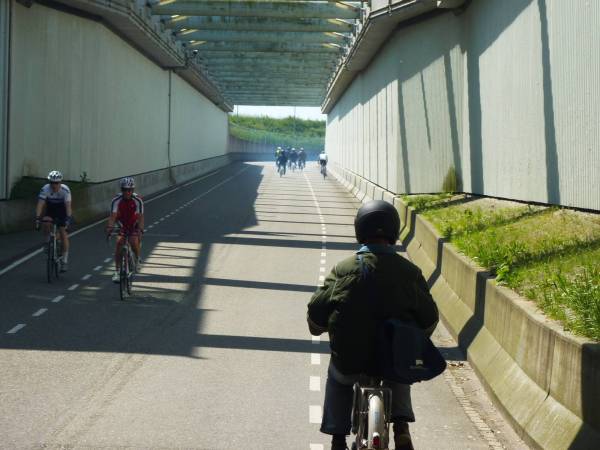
(546, 381)
(94, 202)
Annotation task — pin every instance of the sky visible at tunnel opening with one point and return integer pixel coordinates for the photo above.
(300, 112)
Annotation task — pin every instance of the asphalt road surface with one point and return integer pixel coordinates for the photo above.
(212, 351)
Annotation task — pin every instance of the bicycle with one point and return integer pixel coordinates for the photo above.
(371, 414)
(281, 170)
(127, 261)
(324, 170)
(301, 165)
(53, 252)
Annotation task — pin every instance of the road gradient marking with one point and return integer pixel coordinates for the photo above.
(39, 312)
(72, 288)
(16, 329)
(58, 298)
(86, 277)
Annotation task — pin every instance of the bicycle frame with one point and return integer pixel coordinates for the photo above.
(53, 252)
(127, 266)
(371, 414)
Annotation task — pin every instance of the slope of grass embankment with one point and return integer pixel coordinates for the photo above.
(547, 254)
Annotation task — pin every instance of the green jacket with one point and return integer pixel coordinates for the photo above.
(352, 313)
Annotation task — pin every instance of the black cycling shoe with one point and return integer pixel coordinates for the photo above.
(338, 442)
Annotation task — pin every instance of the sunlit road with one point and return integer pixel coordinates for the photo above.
(212, 351)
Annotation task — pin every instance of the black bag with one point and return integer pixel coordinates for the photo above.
(407, 355)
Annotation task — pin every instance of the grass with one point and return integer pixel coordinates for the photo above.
(548, 255)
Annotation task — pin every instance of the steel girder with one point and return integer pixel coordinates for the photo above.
(269, 67)
(271, 56)
(278, 47)
(233, 8)
(227, 23)
(258, 36)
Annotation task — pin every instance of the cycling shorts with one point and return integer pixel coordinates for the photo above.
(58, 213)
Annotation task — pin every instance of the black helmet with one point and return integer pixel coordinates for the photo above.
(377, 219)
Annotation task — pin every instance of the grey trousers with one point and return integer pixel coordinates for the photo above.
(337, 410)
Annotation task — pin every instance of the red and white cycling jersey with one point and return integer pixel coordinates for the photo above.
(128, 211)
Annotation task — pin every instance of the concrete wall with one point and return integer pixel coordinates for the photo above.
(84, 100)
(504, 94)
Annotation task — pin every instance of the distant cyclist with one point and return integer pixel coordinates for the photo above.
(282, 160)
(301, 158)
(278, 152)
(323, 161)
(54, 204)
(293, 159)
(127, 209)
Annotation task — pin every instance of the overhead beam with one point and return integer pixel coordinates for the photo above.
(227, 23)
(296, 9)
(284, 57)
(277, 47)
(260, 36)
(269, 67)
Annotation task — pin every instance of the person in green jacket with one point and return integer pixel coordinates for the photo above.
(351, 315)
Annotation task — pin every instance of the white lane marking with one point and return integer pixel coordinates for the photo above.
(316, 339)
(315, 414)
(58, 298)
(315, 359)
(72, 288)
(321, 269)
(108, 260)
(150, 227)
(324, 246)
(314, 384)
(97, 268)
(317, 447)
(39, 312)
(16, 329)
(21, 261)
(323, 254)
(322, 261)
(86, 277)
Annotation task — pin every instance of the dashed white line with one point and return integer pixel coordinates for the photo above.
(317, 447)
(316, 339)
(315, 359)
(16, 329)
(72, 288)
(58, 298)
(323, 254)
(321, 278)
(97, 268)
(86, 277)
(315, 414)
(323, 261)
(108, 260)
(314, 384)
(321, 269)
(39, 312)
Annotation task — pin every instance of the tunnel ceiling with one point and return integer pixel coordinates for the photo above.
(276, 52)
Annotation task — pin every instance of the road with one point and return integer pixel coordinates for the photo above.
(212, 352)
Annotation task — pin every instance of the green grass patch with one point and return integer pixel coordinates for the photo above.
(288, 131)
(549, 255)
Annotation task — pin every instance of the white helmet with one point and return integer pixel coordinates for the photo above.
(127, 183)
(55, 176)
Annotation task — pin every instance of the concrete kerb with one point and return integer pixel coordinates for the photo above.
(546, 381)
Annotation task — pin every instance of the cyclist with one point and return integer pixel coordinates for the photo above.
(323, 160)
(282, 161)
(293, 158)
(127, 208)
(342, 306)
(301, 158)
(54, 203)
(278, 151)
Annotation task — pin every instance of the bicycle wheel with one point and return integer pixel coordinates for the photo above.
(376, 421)
(123, 276)
(58, 258)
(131, 274)
(50, 260)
